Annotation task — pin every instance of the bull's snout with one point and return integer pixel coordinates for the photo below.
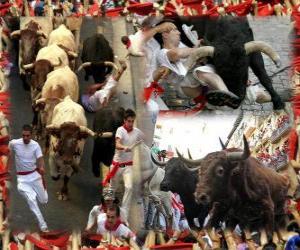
(67, 161)
(203, 199)
(164, 186)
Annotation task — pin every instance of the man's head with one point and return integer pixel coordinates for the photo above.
(168, 38)
(112, 215)
(108, 196)
(26, 133)
(129, 118)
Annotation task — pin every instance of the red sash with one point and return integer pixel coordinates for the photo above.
(114, 170)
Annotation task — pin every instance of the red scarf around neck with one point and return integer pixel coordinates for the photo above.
(114, 227)
(128, 44)
(127, 129)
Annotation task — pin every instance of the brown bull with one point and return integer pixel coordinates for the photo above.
(242, 190)
(30, 43)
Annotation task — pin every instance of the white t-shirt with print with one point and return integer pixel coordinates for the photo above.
(26, 156)
(127, 139)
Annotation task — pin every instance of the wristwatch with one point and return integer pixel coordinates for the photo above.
(174, 238)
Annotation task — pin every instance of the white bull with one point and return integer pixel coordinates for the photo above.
(59, 84)
(68, 130)
(64, 38)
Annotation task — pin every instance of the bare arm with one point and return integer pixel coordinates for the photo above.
(40, 165)
(120, 146)
(164, 27)
(176, 54)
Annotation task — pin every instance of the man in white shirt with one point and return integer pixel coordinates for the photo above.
(111, 223)
(108, 200)
(200, 81)
(30, 168)
(98, 95)
(126, 137)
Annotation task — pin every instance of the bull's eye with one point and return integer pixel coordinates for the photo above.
(220, 171)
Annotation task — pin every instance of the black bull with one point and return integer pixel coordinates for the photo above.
(241, 190)
(180, 179)
(107, 119)
(228, 36)
(96, 49)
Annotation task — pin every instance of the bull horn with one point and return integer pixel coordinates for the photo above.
(259, 46)
(222, 144)
(200, 53)
(84, 65)
(15, 33)
(73, 54)
(111, 64)
(189, 161)
(51, 126)
(59, 63)
(40, 101)
(105, 134)
(87, 130)
(28, 66)
(41, 33)
(158, 163)
(189, 154)
(240, 156)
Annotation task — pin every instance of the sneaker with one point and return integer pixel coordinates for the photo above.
(222, 98)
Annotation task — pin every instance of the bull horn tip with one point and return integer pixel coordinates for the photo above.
(222, 144)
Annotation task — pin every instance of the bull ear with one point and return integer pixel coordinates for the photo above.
(15, 34)
(53, 130)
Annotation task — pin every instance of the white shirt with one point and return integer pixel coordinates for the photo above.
(121, 231)
(127, 139)
(97, 99)
(26, 156)
(179, 71)
(97, 213)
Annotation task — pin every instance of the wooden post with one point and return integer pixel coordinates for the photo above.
(75, 241)
(229, 239)
(5, 239)
(26, 8)
(250, 242)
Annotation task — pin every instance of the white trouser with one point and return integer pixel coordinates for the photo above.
(30, 191)
(126, 172)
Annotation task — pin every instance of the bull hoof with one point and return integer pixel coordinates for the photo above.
(278, 105)
(55, 178)
(62, 196)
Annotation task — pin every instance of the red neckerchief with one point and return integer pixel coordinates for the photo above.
(128, 44)
(114, 227)
(127, 129)
(104, 208)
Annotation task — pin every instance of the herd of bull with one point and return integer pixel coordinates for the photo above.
(47, 64)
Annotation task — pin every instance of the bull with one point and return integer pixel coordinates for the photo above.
(106, 119)
(30, 43)
(60, 83)
(68, 131)
(229, 45)
(242, 190)
(95, 51)
(64, 38)
(182, 180)
(48, 59)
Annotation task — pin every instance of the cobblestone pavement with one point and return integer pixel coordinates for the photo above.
(274, 31)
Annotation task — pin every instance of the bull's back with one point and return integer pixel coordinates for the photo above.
(64, 37)
(65, 79)
(53, 53)
(97, 48)
(69, 111)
